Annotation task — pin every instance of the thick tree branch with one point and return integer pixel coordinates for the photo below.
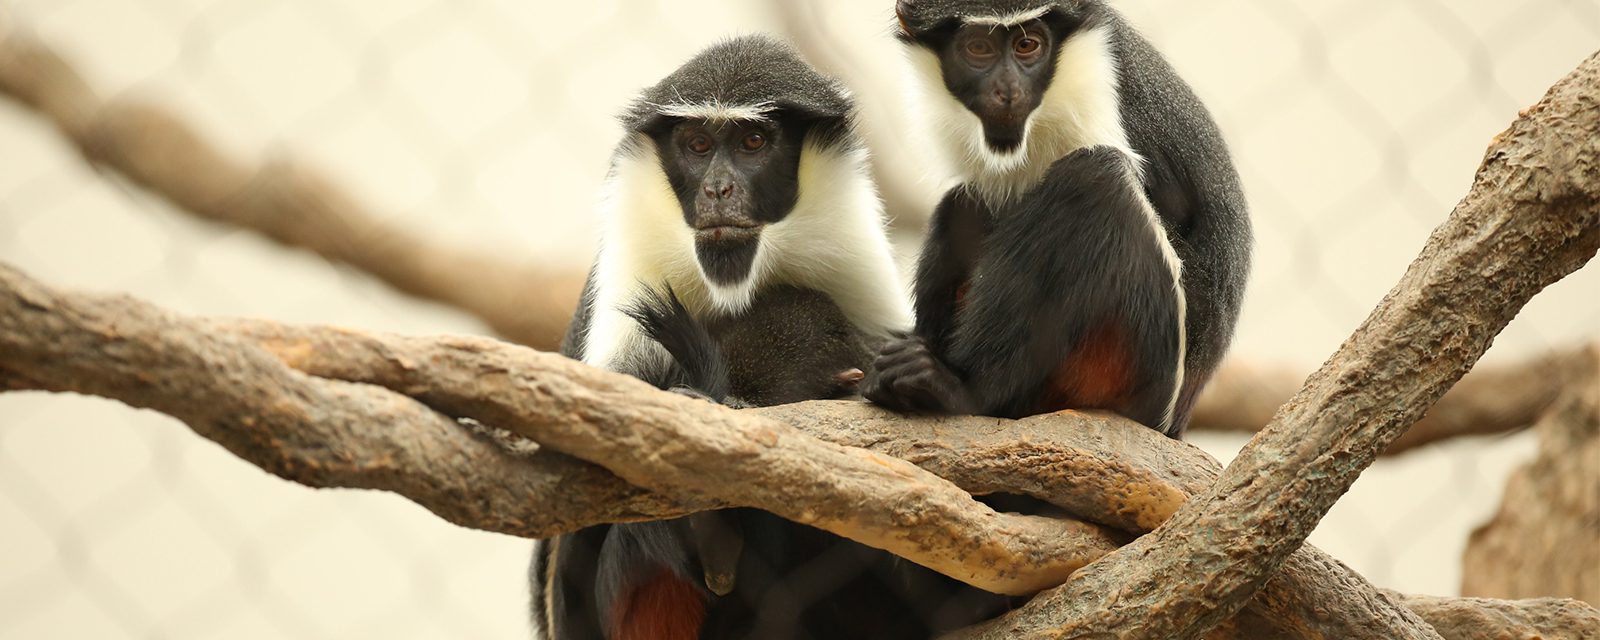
(217, 376)
(151, 146)
(1488, 619)
(1487, 401)
(1531, 218)
(1545, 539)
(308, 430)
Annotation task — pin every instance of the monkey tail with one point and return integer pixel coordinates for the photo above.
(700, 365)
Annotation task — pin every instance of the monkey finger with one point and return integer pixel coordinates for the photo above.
(900, 345)
(914, 359)
(879, 389)
(920, 392)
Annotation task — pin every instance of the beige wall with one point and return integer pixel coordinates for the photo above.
(1356, 126)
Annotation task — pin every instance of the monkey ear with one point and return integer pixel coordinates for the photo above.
(902, 8)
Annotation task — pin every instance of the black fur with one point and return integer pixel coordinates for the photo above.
(793, 582)
(791, 344)
(989, 355)
(699, 360)
(1074, 254)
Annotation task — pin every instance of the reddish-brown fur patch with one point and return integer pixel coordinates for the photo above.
(665, 607)
(1097, 375)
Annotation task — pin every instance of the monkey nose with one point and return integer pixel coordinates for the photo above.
(719, 192)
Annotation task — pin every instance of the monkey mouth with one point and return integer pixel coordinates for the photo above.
(727, 233)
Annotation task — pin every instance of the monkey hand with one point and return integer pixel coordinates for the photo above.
(908, 377)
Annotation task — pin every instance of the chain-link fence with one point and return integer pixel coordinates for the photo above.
(1357, 125)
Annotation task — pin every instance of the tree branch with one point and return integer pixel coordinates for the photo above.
(290, 204)
(1486, 401)
(309, 430)
(1531, 218)
(1543, 540)
(221, 377)
(1488, 619)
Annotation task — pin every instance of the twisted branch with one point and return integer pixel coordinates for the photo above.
(302, 402)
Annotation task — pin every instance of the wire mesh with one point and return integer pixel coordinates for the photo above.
(1356, 125)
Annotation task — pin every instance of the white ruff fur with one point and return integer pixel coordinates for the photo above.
(833, 241)
(1078, 110)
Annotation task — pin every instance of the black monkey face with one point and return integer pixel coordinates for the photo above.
(1000, 73)
(732, 178)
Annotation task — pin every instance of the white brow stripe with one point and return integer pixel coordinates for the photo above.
(1010, 19)
(716, 111)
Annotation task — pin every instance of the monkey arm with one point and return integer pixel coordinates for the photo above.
(955, 238)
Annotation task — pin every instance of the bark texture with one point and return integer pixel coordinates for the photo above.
(289, 203)
(1545, 540)
(300, 402)
(309, 430)
(1487, 619)
(1486, 401)
(1531, 218)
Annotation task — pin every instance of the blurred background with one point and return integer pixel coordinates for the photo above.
(1356, 126)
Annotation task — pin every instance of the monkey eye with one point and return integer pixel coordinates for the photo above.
(754, 142)
(1027, 46)
(699, 144)
(980, 48)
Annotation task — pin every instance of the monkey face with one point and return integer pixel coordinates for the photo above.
(1000, 74)
(732, 178)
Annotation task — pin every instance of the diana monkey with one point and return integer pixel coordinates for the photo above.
(741, 225)
(1095, 252)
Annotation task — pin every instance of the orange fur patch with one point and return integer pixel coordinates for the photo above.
(664, 608)
(1097, 375)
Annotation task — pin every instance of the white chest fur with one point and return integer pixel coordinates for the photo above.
(833, 241)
